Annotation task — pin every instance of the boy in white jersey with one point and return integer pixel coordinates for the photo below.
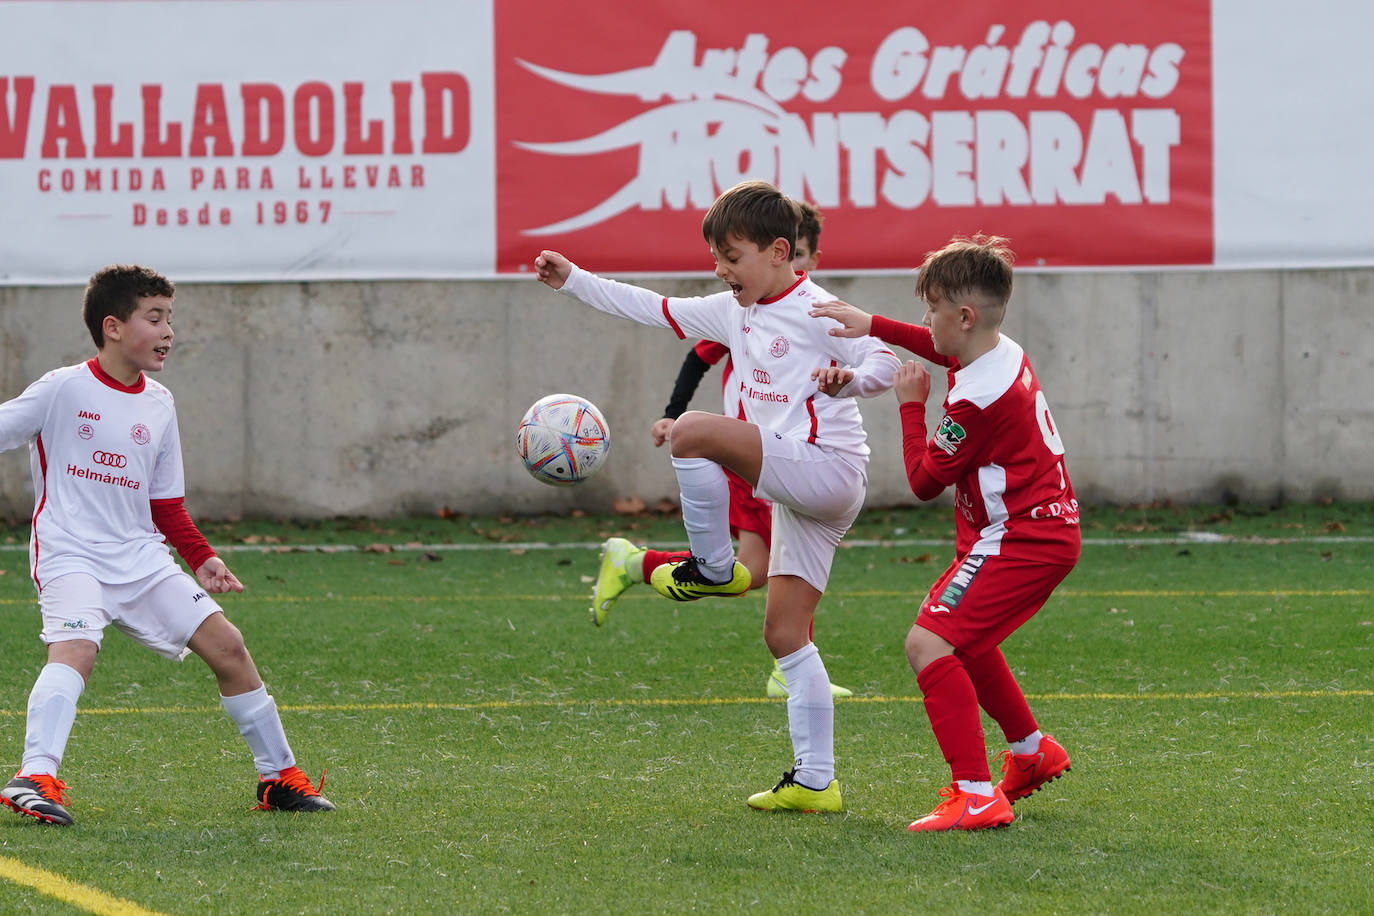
(108, 494)
(624, 564)
(1016, 518)
(802, 445)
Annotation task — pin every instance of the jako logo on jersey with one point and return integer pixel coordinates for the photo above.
(779, 347)
(140, 434)
(762, 377)
(110, 459)
(85, 430)
(87, 415)
(948, 436)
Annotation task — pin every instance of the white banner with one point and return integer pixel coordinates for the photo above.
(246, 140)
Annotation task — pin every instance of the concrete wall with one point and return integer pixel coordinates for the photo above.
(378, 399)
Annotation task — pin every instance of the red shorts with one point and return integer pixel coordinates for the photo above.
(980, 601)
(747, 511)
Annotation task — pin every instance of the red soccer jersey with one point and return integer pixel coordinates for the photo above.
(998, 446)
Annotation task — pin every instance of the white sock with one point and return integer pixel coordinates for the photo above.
(975, 788)
(706, 515)
(52, 711)
(810, 716)
(1027, 745)
(255, 713)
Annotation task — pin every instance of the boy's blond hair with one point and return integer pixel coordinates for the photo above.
(754, 211)
(977, 267)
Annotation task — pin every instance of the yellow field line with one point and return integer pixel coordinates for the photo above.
(706, 701)
(872, 593)
(78, 895)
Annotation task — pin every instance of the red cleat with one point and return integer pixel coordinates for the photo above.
(1023, 774)
(965, 811)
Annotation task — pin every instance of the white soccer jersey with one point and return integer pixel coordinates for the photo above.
(711, 353)
(774, 346)
(99, 451)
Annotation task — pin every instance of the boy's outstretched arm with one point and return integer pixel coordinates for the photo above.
(552, 269)
(854, 321)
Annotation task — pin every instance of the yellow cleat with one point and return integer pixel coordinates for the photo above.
(777, 686)
(790, 795)
(618, 557)
(684, 581)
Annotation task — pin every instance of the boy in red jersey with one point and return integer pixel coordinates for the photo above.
(802, 445)
(108, 486)
(1016, 517)
(624, 564)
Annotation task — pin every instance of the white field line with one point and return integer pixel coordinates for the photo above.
(1188, 538)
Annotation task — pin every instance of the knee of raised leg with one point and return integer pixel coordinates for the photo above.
(685, 438)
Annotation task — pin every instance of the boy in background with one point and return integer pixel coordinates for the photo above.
(108, 490)
(623, 563)
(1016, 521)
(802, 445)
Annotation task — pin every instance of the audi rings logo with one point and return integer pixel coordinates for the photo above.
(109, 459)
(762, 377)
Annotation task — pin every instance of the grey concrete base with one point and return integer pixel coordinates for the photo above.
(376, 399)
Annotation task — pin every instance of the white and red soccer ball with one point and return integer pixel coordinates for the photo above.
(563, 439)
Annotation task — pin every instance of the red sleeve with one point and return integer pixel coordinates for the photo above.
(710, 351)
(913, 337)
(914, 449)
(171, 518)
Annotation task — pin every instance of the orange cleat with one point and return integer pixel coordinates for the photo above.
(1023, 774)
(291, 791)
(965, 811)
(41, 796)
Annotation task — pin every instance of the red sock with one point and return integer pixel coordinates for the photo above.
(653, 559)
(999, 693)
(952, 705)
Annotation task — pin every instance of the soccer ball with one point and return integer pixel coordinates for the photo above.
(562, 439)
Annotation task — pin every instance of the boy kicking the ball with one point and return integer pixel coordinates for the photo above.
(108, 487)
(624, 563)
(801, 444)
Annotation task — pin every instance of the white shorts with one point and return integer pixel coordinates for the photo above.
(161, 611)
(817, 493)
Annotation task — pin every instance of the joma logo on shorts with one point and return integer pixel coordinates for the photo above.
(961, 580)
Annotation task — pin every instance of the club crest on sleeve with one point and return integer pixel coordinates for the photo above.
(949, 436)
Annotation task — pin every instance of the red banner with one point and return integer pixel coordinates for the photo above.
(1081, 130)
